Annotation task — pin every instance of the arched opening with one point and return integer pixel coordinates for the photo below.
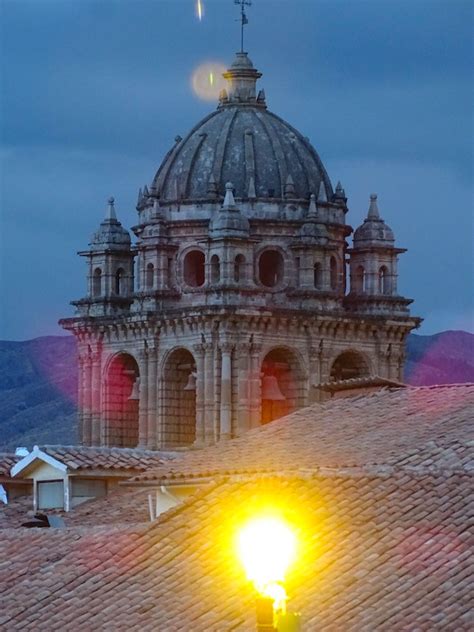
(349, 365)
(215, 269)
(150, 276)
(360, 280)
(97, 282)
(120, 282)
(333, 273)
(193, 268)
(270, 268)
(283, 386)
(121, 403)
(384, 287)
(179, 400)
(239, 270)
(317, 276)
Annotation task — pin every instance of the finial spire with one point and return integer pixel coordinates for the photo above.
(243, 19)
(373, 208)
(110, 213)
(229, 201)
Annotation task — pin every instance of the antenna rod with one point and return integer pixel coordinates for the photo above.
(243, 19)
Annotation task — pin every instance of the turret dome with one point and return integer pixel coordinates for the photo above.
(374, 231)
(111, 233)
(242, 142)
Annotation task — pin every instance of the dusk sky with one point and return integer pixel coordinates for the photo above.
(94, 92)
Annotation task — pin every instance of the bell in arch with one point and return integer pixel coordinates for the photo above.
(271, 389)
(191, 384)
(135, 394)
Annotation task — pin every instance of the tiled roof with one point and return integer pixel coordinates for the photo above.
(388, 553)
(81, 457)
(358, 382)
(7, 461)
(428, 428)
(122, 506)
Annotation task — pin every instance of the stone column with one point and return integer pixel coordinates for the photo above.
(143, 399)
(87, 400)
(80, 398)
(199, 352)
(255, 386)
(152, 424)
(95, 403)
(209, 434)
(226, 390)
(243, 387)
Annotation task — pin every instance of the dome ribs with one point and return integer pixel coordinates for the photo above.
(161, 177)
(249, 163)
(187, 176)
(222, 143)
(304, 167)
(278, 152)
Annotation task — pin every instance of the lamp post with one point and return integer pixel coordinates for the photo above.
(266, 547)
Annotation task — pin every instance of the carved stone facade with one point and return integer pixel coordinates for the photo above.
(233, 304)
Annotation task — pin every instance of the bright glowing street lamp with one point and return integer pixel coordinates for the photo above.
(266, 548)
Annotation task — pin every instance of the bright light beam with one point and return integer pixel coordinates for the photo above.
(199, 10)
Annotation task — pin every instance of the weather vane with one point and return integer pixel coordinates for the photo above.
(243, 19)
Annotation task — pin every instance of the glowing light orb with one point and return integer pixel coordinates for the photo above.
(266, 547)
(207, 80)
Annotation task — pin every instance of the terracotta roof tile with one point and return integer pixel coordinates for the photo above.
(7, 461)
(422, 427)
(82, 457)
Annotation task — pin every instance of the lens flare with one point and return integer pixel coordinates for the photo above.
(207, 80)
(199, 10)
(266, 547)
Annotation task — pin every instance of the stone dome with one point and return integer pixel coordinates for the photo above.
(374, 231)
(111, 233)
(242, 142)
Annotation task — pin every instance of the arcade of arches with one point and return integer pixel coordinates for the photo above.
(200, 397)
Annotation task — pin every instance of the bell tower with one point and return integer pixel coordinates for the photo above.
(110, 277)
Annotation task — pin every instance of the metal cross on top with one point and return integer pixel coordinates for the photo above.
(243, 19)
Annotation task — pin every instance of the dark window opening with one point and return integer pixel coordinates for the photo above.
(349, 365)
(215, 269)
(150, 275)
(119, 282)
(383, 281)
(194, 274)
(239, 268)
(317, 276)
(270, 268)
(97, 282)
(333, 273)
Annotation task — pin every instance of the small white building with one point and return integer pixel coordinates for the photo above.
(64, 477)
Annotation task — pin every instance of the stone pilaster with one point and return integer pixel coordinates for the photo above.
(81, 360)
(87, 400)
(255, 386)
(95, 403)
(243, 387)
(209, 394)
(199, 352)
(143, 401)
(152, 424)
(226, 390)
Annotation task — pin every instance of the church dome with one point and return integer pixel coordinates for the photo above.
(242, 142)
